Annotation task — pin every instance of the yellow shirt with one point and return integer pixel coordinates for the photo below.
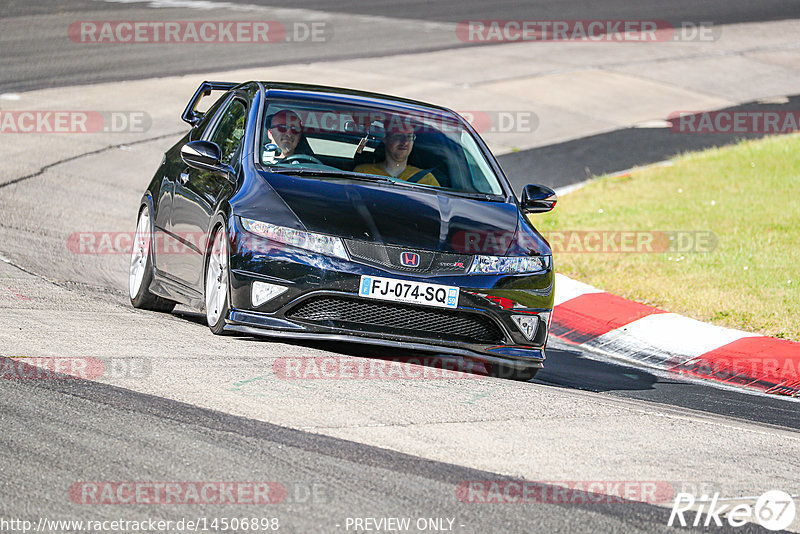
(408, 172)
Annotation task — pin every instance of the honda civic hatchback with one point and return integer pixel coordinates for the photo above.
(299, 211)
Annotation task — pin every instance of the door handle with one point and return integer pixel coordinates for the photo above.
(184, 177)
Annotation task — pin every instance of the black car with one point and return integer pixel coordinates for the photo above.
(305, 211)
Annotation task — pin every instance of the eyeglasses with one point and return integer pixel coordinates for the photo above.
(402, 137)
(283, 128)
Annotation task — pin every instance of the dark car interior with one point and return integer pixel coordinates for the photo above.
(346, 144)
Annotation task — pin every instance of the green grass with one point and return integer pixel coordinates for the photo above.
(748, 195)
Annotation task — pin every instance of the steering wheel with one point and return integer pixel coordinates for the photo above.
(300, 158)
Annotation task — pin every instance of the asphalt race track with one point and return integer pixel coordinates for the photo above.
(34, 54)
(188, 406)
(149, 436)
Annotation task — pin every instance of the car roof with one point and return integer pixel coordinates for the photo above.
(343, 95)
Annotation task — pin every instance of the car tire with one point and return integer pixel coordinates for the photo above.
(141, 269)
(523, 374)
(216, 282)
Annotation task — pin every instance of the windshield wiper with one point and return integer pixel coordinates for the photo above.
(302, 171)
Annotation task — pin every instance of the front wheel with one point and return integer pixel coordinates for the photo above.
(141, 269)
(216, 283)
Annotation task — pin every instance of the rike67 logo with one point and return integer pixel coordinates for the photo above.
(774, 510)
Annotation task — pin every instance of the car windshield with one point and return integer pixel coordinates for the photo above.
(420, 149)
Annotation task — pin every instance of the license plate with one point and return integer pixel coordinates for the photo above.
(376, 287)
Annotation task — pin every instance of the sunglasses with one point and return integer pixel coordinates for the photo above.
(402, 137)
(283, 128)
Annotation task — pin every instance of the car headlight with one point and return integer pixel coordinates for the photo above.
(323, 244)
(509, 264)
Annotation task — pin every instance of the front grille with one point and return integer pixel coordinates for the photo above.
(389, 256)
(380, 317)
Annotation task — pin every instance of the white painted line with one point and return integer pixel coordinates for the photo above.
(774, 100)
(657, 123)
(561, 191)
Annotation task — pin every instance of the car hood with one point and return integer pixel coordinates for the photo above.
(398, 215)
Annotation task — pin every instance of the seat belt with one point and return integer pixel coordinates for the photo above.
(417, 176)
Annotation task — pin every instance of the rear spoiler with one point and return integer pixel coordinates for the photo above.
(190, 114)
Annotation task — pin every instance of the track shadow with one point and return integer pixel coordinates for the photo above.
(192, 316)
(387, 354)
(572, 370)
(562, 368)
(574, 161)
(343, 348)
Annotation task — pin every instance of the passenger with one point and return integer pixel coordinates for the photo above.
(399, 143)
(285, 130)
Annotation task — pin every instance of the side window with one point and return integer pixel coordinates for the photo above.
(229, 130)
(208, 114)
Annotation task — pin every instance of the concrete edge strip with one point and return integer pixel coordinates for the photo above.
(627, 330)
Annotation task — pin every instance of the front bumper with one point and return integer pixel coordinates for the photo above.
(481, 327)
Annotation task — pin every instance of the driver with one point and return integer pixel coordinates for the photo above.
(285, 130)
(399, 143)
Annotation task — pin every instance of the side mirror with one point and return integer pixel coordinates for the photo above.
(203, 155)
(537, 199)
